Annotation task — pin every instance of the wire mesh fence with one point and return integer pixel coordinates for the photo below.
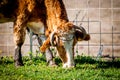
(100, 19)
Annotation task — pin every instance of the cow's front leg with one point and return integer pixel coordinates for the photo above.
(19, 37)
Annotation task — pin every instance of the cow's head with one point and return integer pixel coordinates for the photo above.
(65, 39)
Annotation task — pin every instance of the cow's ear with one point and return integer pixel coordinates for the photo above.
(87, 37)
(79, 35)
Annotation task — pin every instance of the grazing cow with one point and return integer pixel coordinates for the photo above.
(43, 17)
(61, 33)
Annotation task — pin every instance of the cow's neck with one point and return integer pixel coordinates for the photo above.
(56, 13)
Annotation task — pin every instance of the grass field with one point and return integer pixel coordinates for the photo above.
(36, 69)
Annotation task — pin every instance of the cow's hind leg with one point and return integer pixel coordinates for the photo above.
(19, 37)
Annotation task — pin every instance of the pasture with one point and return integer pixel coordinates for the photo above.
(86, 68)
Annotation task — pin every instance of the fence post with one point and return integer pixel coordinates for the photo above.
(31, 51)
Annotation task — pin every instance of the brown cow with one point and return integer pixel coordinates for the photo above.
(63, 34)
(47, 17)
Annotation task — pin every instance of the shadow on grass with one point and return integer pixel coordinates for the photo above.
(26, 60)
(6, 60)
(79, 60)
(99, 63)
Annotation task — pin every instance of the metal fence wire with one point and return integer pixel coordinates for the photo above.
(105, 14)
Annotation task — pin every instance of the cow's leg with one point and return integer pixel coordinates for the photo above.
(48, 52)
(19, 37)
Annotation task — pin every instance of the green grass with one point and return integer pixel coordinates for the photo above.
(36, 69)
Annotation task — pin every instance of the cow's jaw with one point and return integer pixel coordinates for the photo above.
(68, 45)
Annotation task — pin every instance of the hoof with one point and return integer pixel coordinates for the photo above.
(68, 66)
(18, 64)
(52, 64)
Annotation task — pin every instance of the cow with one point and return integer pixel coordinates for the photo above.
(47, 18)
(61, 33)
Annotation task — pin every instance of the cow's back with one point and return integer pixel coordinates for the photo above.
(32, 9)
(8, 8)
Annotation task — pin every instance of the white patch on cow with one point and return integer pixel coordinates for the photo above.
(36, 27)
(68, 47)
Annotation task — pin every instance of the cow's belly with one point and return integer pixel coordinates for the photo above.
(36, 27)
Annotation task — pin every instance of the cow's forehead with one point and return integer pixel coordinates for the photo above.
(66, 32)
